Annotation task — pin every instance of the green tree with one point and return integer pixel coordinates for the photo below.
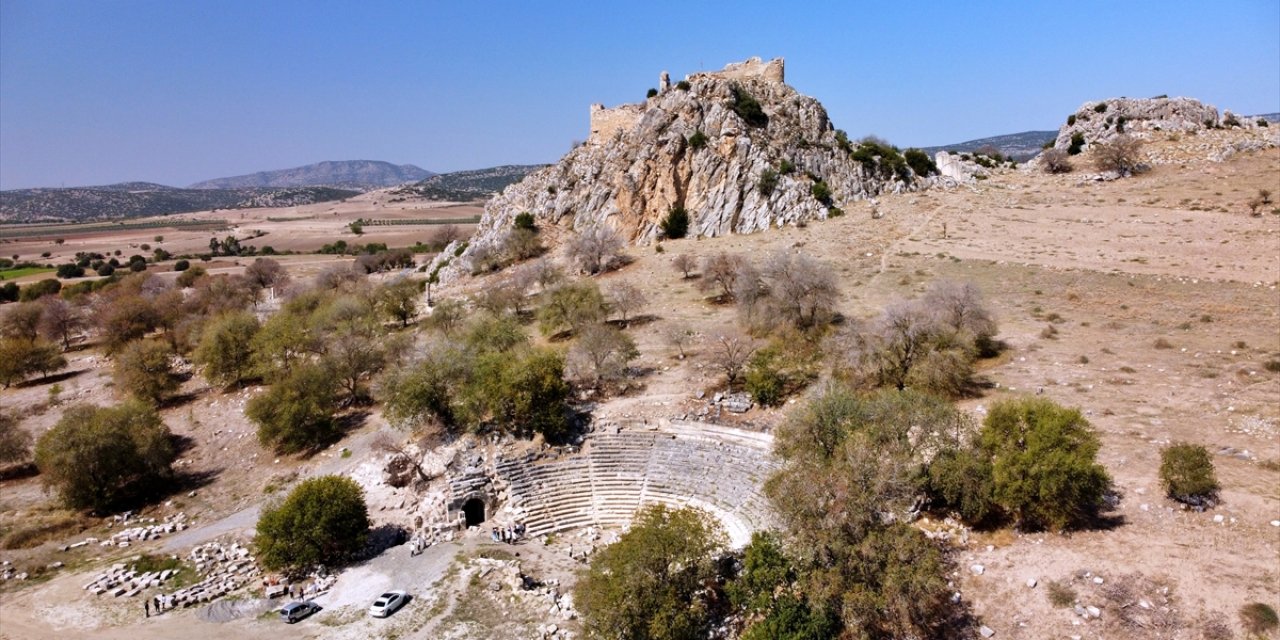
(124, 317)
(144, 369)
(521, 391)
(1044, 464)
(297, 413)
(226, 348)
(20, 358)
(97, 458)
(422, 392)
(649, 584)
(1187, 474)
(851, 465)
(323, 521)
(285, 340)
(15, 443)
(570, 307)
(399, 299)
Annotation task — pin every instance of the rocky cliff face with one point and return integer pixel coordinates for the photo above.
(643, 160)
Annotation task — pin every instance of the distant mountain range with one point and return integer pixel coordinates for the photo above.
(1019, 146)
(462, 186)
(359, 175)
(141, 199)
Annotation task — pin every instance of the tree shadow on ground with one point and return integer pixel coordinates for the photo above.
(49, 379)
(634, 321)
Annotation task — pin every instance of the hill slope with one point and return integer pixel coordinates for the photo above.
(141, 199)
(1019, 146)
(473, 184)
(353, 174)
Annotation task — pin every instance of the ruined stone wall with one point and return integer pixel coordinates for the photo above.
(606, 123)
(754, 68)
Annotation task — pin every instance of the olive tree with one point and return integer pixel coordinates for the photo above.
(226, 348)
(297, 413)
(595, 249)
(144, 369)
(15, 443)
(323, 522)
(601, 354)
(97, 458)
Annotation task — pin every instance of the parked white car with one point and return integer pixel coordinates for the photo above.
(387, 603)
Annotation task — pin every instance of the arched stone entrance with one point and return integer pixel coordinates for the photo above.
(473, 509)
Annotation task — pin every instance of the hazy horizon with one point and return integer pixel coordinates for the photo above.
(98, 93)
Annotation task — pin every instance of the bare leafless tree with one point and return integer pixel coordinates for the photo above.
(265, 273)
(626, 299)
(959, 305)
(685, 264)
(678, 335)
(59, 320)
(802, 290)
(720, 272)
(1122, 154)
(601, 354)
(408, 450)
(595, 249)
(442, 236)
(1055, 161)
(730, 351)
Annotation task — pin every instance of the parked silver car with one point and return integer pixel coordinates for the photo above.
(295, 611)
(387, 603)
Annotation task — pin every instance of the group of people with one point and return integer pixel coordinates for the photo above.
(158, 603)
(509, 535)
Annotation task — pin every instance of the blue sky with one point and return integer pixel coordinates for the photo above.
(176, 92)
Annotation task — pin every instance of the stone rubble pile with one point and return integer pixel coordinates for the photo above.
(120, 581)
(225, 568)
(526, 590)
(8, 572)
(149, 531)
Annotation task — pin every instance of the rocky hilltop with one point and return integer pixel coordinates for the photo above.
(1103, 120)
(739, 149)
(347, 174)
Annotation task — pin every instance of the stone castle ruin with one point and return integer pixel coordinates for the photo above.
(606, 123)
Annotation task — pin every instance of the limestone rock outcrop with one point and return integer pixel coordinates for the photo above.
(692, 146)
(1100, 121)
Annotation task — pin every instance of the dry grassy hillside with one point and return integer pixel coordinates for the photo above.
(1150, 302)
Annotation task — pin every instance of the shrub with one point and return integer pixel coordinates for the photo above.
(821, 192)
(961, 479)
(1259, 618)
(1101, 107)
(698, 140)
(70, 271)
(1044, 463)
(181, 265)
(764, 380)
(1122, 154)
(683, 85)
(48, 286)
(189, 276)
(748, 108)
(785, 167)
(676, 224)
(323, 521)
(1060, 595)
(1077, 144)
(524, 220)
(920, 162)
(768, 182)
(1187, 474)
(1055, 161)
(97, 458)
